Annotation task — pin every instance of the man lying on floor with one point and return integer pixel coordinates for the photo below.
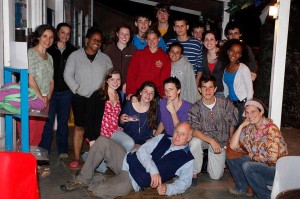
(155, 162)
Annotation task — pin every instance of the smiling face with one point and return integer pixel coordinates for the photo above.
(152, 40)
(64, 34)
(208, 90)
(253, 114)
(182, 134)
(94, 42)
(147, 94)
(175, 53)
(171, 92)
(142, 24)
(123, 35)
(210, 41)
(235, 53)
(46, 39)
(114, 82)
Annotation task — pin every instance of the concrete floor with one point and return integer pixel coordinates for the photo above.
(206, 189)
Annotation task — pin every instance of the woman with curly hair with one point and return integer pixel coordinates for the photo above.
(40, 77)
(237, 80)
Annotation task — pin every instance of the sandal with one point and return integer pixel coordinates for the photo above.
(74, 164)
(43, 171)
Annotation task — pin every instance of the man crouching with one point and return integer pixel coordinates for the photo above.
(157, 161)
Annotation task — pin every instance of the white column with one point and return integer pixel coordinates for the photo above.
(2, 141)
(79, 26)
(1, 44)
(59, 12)
(8, 29)
(226, 17)
(86, 26)
(278, 62)
(44, 12)
(35, 10)
(7, 33)
(92, 13)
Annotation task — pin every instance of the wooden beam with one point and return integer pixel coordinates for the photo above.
(153, 3)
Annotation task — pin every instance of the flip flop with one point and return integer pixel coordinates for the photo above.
(74, 164)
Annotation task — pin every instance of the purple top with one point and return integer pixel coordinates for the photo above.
(166, 118)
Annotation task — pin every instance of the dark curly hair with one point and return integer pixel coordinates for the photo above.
(231, 26)
(177, 44)
(93, 30)
(152, 112)
(223, 56)
(39, 31)
(206, 78)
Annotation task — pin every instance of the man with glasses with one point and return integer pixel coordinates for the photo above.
(213, 120)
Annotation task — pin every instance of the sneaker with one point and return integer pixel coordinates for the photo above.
(63, 156)
(235, 192)
(194, 182)
(72, 185)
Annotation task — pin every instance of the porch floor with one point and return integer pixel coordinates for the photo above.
(206, 189)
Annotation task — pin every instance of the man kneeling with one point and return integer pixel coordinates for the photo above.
(155, 162)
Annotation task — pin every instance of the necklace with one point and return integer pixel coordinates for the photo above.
(140, 123)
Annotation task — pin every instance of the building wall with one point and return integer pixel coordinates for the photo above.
(1, 74)
(107, 19)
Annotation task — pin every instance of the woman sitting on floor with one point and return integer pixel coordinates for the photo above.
(140, 119)
(103, 109)
(265, 145)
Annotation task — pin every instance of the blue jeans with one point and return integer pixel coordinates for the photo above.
(59, 105)
(254, 174)
(120, 137)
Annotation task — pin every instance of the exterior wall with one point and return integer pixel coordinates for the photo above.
(1, 72)
(7, 34)
(107, 19)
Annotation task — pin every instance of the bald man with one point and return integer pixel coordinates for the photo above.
(157, 161)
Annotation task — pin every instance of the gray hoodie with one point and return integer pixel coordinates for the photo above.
(184, 71)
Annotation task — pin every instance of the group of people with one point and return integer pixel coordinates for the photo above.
(148, 108)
